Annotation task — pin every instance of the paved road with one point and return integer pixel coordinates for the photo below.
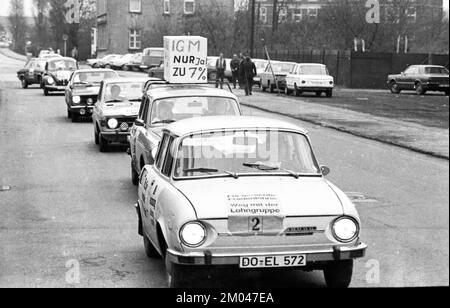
(70, 204)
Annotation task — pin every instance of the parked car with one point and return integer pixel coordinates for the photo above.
(116, 110)
(152, 57)
(83, 90)
(276, 73)
(32, 72)
(57, 74)
(135, 63)
(101, 62)
(261, 66)
(166, 104)
(247, 193)
(122, 62)
(420, 78)
(309, 77)
(157, 72)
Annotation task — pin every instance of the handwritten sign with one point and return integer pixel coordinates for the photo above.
(185, 59)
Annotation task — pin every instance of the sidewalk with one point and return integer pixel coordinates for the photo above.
(12, 55)
(416, 137)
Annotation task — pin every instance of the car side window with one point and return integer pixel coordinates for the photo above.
(410, 71)
(162, 152)
(168, 161)
(141, 110)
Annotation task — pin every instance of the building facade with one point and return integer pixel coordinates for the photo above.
(309, 10)
(128, 26)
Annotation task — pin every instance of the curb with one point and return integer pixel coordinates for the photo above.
(341, 129)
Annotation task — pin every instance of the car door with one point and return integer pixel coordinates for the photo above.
(156, 181)
(407, 78)
(98, 107)
(140, 141)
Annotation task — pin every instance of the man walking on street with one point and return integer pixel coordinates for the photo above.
(235, 63)
(249, 71)
(221, 66)
(75, 53)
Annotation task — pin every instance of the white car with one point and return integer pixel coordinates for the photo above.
(121, 62)
(310, 77)
(247, 193)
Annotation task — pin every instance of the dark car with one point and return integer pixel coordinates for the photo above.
(32, 72)
(420, 78)
(82, 91)
(57, 74)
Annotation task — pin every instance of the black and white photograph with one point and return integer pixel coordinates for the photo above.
(224, 145)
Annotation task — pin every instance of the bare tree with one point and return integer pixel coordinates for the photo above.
(17, 25)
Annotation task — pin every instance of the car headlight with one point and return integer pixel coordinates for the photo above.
(113, 123)
(50, 80)
(193, 234)
(345, 229)
(76, 99)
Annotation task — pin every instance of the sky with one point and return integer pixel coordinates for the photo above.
(4, 8)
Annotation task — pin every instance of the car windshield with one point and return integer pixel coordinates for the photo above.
(175, 109)
(313, 70)
(59, 65)
(123, 92)
(436, 70)
(282, 67)
(245, 152)
(92, 77)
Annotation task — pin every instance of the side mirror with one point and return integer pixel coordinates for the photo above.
(154, 153)
(325, 170)
(139, 123)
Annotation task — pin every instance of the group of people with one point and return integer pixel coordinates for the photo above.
(243, 72)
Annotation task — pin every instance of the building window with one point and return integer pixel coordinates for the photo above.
(297, 15)
(135, 39)
(189, 7)
(283, 15)
(263, 15)
(135, 6)
(313, 13)
(166, 6)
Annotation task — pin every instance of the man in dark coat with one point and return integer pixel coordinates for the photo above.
(221, 66)
(234, 65)
(249, 71)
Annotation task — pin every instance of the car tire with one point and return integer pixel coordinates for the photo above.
(104, 146)
(150, 250)
(318, 94)
(107, 66)
(420, 89)
(287, 91)
(338, 275)
(69, 114)
(74, 117)
(134, 176)
(330, 93)
(394, 87)
(272, 88)
(24, 83)
(46, 92)
(125, 68)
(177, 275)
(297, 92)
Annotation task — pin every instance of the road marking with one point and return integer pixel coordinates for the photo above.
(5, 188)
(357, 197)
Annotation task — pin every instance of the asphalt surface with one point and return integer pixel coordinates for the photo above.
(70, 205)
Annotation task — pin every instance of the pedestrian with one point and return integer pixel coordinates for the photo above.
(221, 66)
(249, 71)
(75, 53)
(234, 65)
(241, 72)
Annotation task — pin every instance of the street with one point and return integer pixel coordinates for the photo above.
(65, 203)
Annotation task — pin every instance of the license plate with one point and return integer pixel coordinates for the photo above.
(273, 261)
(255, 224)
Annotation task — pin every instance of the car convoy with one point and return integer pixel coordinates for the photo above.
(217, 188)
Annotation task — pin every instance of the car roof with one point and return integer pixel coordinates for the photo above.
(126, 80)
(94, 70)
(426, 65)
(185, 90)
(318, 64)
(202, 124)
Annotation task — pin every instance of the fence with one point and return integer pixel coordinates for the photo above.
(357, 69)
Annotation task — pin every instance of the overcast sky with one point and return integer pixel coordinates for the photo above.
(4, 8)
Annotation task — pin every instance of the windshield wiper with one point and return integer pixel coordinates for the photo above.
(87, 84)
(164, 122)
(114, 101)
(211, 170)
(263, 167)
(135, 100)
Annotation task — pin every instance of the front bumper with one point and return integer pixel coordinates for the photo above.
(314, 88)
(116, 136)
(82, 110)
(313, 256)
(55, 88)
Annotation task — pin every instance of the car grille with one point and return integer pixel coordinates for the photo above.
(126, 123)
(62, 82)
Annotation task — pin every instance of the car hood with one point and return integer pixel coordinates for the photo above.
(130, 109)
(86, 91)
(303, 197)
(60, 75)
